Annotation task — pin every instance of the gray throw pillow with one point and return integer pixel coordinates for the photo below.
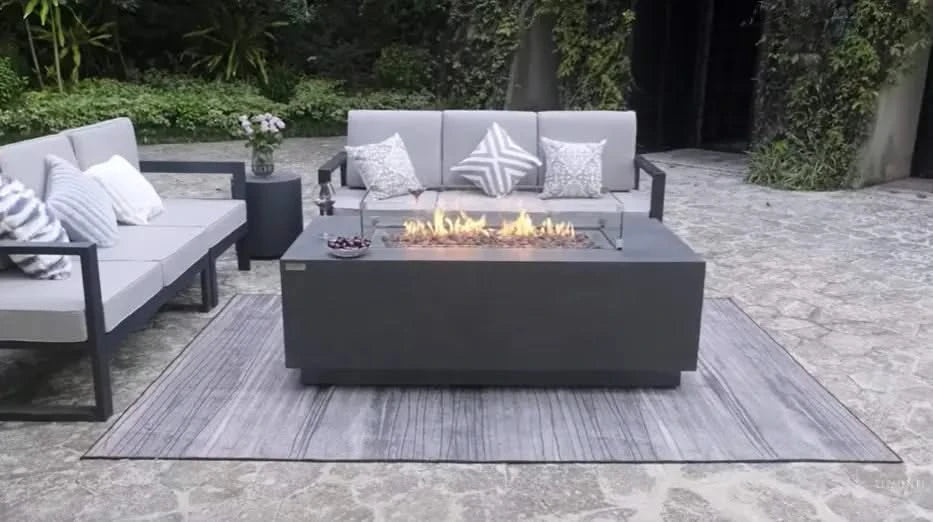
(385, 167)
(80, 203)
(572, 170)
(24, 217)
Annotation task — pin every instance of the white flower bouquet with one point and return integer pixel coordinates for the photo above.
(263, 131)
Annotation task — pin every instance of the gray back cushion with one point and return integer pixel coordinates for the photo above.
(420, 130)
(616, 127)
(99, 142)
(463, 131)
(25, 161)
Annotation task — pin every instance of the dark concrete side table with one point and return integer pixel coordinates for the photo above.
(274, 213)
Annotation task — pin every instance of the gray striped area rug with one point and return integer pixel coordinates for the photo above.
(229, 396)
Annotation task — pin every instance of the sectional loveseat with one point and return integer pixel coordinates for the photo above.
(112, 291)
(438, 140)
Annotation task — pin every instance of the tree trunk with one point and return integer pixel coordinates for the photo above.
(56, 36)
(32, 52)
(533, 77)
(702, 70)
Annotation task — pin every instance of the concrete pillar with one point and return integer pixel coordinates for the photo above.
(888, 152)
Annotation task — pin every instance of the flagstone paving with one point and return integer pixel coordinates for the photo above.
(844, 280)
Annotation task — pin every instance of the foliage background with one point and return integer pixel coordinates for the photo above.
(184, 69)
(825, 64)
(180, 68)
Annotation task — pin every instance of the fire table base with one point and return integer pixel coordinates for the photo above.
(493, 316)
(321, 377)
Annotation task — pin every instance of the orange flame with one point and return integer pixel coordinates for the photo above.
(463, 225)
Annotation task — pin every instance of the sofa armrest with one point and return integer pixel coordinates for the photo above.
(658, 184)
(235, 168)
(325, 173)
(90, 274)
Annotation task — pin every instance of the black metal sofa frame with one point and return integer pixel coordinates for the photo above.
(100, 345)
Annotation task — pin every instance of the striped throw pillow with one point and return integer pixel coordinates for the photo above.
(497, 163)
(24, 217)
(80, 203)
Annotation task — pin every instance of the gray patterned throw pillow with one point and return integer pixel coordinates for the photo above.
(385, 167)
(24, 217)
(573, 170)
(80, 203)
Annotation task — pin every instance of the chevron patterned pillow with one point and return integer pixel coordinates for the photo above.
(24, 217)
(497, 163)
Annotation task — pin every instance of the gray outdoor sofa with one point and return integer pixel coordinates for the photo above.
(112, 291)
(438, 140)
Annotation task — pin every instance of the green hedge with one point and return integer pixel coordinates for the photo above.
(12, 84)
(320, 107)
(166, 109)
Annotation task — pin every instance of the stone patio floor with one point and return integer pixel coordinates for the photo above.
(844, 280)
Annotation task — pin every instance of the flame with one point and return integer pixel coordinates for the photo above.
(441, 226)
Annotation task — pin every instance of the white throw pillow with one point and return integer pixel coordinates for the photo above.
(573, 170)
(134, 199)
(385, 167)
(497, 163)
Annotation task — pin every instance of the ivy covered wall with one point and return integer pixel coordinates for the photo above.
(824, 66)
(591, 38)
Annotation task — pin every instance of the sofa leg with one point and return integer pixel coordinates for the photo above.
(242, 255)
(208, 287)
(103, 392)
(215, 289)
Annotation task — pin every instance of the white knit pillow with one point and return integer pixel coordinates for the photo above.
(134, 199)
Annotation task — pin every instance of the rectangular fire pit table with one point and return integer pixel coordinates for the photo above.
(493, 316)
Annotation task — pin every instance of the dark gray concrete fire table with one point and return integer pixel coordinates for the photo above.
(494, 316)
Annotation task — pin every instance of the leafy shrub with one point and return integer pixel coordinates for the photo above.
(404, 67)
(179, 108)
(12, 84)
(320, 106)
(196, 110)
(281, 84)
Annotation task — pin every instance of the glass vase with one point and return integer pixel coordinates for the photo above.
(263, 162)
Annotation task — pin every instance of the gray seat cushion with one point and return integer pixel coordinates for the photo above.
(463, 130)
(217, 217)
(53, 311)
(348, 202)
(617, 127)
(99, 142)
(476, 202)
(25, 160)
(176, 249)
(420, 130)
